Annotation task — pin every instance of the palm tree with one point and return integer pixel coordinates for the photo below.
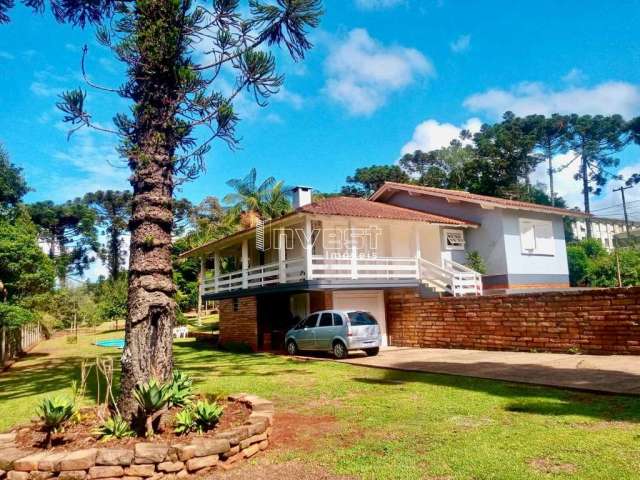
(267, 200)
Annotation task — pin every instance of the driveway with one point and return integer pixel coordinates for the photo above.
(595, 373)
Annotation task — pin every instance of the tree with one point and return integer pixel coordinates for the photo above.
(268, 199)
(595, 139)
(416, 163)
(24, 268)
(113, 210)
(551, 139)
(12, 183)
(69, 231)
(177, 95)
(367, 180)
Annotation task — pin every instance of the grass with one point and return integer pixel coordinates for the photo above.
(208, 324)
(385, 424)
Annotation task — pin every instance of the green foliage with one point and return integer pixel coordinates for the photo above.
(206, 415)
(476, 262)
(268, 198)
(12, 183)
(591, 265)
(367, 180)
(181, 389)
(24, 269)
(55, 412)
(12, 316)
(69, 230)
(111, 299)
(114, 427)
(152, 396)
(184, 422)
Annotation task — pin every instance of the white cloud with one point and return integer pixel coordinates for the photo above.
(362, 73)
(43, 90)
(378, 4)
(287, 96)
(6, 55)
(461, 44)
(432, 135)
(528, 98)
(573, 76)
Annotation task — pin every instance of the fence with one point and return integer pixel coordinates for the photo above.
(17, 340)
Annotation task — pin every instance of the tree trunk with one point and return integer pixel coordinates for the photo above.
(585, 191)
(114, 253)
(150, 320)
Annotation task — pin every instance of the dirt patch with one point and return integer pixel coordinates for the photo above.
(546, 465)
(294, 430)
(264, 469)
(82, 435)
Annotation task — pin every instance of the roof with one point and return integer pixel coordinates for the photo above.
(360, 207)
(347, 207)
(484, 200)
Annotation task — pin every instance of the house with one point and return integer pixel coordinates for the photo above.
(602, 228)
(344, 252)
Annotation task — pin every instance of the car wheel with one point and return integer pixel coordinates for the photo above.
(372, 352)
(292, 348)
(339, 350)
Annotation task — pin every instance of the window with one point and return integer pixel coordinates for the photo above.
(325, 320)
(453, 239)
(236, 304)
(337, 320)
(536, 237)
(311, 321)
(361, 318)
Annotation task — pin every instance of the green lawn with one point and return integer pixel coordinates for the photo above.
(386, 424)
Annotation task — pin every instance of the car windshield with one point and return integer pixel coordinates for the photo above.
(361, 318)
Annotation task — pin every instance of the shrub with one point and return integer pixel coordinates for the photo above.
(153, 397)
(114, 427)
(181, 389)
(206, 415)
(54, 413)
(185, 422)
(476, 262)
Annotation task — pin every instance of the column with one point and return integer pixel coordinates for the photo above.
(308, 247)
(216, 270)
(282, 257)
(245, 264)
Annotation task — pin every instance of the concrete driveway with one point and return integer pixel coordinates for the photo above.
(595, 373)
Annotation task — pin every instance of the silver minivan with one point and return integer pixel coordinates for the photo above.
(335, 331)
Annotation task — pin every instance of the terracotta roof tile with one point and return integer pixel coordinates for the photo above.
(461, 195)
(360, 207)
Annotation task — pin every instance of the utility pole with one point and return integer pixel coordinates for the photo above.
(624, 207)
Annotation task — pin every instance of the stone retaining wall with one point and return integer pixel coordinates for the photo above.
(147, 460)
(602, 321)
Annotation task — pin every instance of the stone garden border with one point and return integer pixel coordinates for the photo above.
(148, 460)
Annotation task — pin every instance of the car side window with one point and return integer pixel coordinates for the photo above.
(325, 320)
(311, 321)
(337, 320)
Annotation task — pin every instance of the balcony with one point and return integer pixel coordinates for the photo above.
(450, 277)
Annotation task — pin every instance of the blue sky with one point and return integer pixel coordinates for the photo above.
(385, 76)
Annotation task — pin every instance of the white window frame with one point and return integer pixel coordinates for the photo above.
(540, 244)
(446, 232)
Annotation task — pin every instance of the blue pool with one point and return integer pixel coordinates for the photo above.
(117, 343)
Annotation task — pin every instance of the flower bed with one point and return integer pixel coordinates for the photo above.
(161, 457)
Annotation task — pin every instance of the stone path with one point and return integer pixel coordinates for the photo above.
(596, 373)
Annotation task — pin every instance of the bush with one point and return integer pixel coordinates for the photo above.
(476, 262)
(185, 422)
(206, 415)
(13, 316)
(54, 413)
(153, 397)
(114, 427)
(181, 389)
(591, 265)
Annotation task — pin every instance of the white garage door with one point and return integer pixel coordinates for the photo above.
(368, 300)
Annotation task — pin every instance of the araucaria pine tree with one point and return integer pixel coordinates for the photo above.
(181, 57)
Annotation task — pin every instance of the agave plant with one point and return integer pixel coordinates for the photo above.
(181, 389)
(54, 413)
(114, 427)
(153, 397)
(206, 415)
(185, 421)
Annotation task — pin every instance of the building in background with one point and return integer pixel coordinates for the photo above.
(602, 228)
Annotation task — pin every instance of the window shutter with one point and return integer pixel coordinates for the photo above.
(527, 236)
(544, 238)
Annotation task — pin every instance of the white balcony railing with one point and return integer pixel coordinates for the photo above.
(451, 277)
